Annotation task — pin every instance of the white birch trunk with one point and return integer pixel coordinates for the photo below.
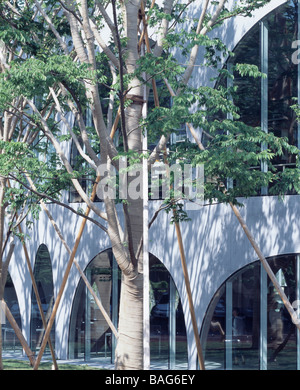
(129, 352)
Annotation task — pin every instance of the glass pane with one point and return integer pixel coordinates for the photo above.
(159, 311)
(239, 335)
(231, 331)
(181, 340)
(213, 332)
(100, 275)
(90, 335)
(168, 342)
(282, 338)
(77, 324)
(44, 281)
(248, 98)
(246, 318)
(9, 340)
(282, 76)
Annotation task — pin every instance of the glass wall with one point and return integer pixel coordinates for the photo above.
(282, 26)
(248, 98)
(247, 325)
(44, 281)
(90, 336)
(266, 102)
(9, 340)
(168, 343)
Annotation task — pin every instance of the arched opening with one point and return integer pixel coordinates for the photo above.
(10, 342)
(247, 326)
(44, 280)
(90, 337)
(168, 342)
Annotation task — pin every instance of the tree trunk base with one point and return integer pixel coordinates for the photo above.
(129, 351)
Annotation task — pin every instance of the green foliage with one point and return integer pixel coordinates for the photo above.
(33, 77)
(29, 32)
(232, 149)
(178, 214)
(18, 159)
(248, 70)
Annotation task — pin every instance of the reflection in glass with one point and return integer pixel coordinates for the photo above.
(282, 343)
(282, 76)
(234, 324)
(44, 281)
(248, 96)
(167, 328)
(90, 335)
(266, 102)
(9, 339)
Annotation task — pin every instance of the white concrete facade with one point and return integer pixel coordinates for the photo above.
(215, 244)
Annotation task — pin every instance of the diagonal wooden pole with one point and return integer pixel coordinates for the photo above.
(18, 333)
(189, 294)
(70, 263)
(62, 287)
(97, 300)
(36, 292)
(38, 299)
(179, 238)
(255, 246)
(266, 265)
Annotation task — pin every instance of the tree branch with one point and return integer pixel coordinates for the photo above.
(51, 25)
(202, 31)
(103, 45)
(163, 30)
(107, 19)
(66, 163)
(6, 263)
(42, 196)
(74, 138)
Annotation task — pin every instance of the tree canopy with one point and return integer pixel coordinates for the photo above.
(88, 74)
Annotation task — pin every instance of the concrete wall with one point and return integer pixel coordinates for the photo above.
(231, 32)
(216, 247)
(214, 242)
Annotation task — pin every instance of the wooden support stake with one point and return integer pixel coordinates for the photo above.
(257, 250)
(266, 265)
(189, 294)
(69, 265)
(179, 239)
(36, 292)
(18, 333)
(38, 299)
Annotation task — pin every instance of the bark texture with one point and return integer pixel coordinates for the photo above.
(129, 351)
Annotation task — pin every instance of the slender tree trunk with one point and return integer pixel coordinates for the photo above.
(129, 351)
(2, 282)
(1, 360)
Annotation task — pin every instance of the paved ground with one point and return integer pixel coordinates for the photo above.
(99, 363)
